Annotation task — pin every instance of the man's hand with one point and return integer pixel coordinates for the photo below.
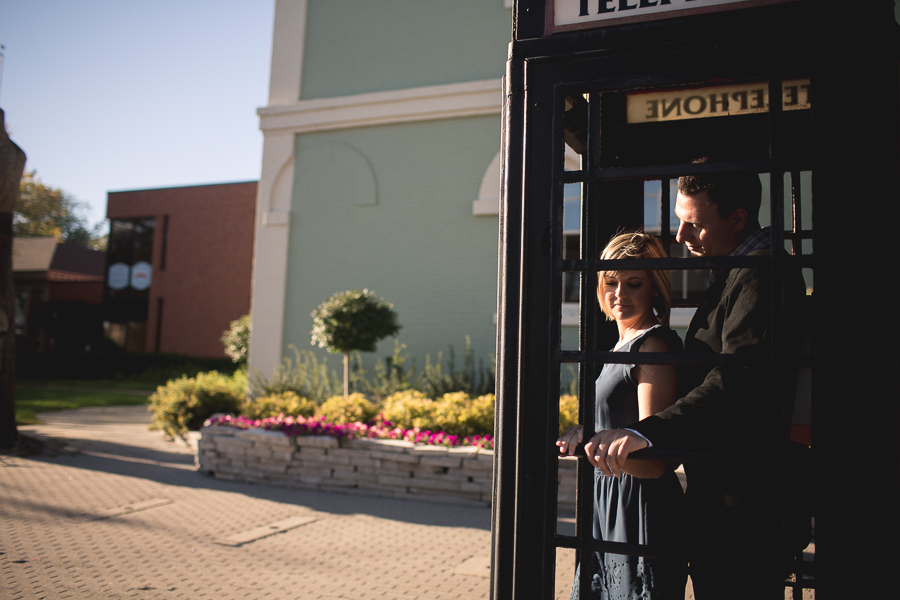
(608, 450)
(570, 440)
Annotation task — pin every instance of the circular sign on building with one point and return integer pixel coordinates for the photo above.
(141, 275)
(118, 275)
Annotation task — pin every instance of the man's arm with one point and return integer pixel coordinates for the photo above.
(730, 401)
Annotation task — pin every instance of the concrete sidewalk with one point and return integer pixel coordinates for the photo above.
(116, 511)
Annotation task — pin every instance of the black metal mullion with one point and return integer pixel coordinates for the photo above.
(543, 514)
(776, 212)
(684, 359)
(779, 268)
(673, 171)
(691, 263)
(503, 523)
(587, 342)
(665, 201)
(558, 273)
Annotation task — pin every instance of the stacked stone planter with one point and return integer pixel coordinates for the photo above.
(387, 468)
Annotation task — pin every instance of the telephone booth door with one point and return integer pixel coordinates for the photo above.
(599, 123)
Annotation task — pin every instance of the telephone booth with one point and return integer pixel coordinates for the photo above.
(606, 104)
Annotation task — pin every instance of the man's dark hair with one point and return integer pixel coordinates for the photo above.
(730, 191)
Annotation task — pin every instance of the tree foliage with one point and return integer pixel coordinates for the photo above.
(236, 339)
(44, 211)
(353, 321)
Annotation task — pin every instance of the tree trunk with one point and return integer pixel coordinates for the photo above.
(346, 374)
(12, 164)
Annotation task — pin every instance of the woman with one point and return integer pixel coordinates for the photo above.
(642, 505)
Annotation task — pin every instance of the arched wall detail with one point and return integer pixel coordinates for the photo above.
(488, 202)
(358, 182)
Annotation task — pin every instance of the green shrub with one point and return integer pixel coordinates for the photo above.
(458, 414)
(409, 409)
(568, 412)
(286, 403)
(391, 375)
(309, 378)
(341, 410)
(183, 404)
(305, 376)
(158, 373)
(435, 382)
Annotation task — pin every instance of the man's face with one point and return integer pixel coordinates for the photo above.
(702, 229)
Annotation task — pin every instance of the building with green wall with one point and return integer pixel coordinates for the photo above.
(381, 170)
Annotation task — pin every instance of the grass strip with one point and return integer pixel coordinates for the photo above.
(31, 398)
(92, 384)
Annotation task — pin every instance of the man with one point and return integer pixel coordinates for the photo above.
(733, 521)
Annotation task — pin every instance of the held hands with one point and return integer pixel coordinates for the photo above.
(608, 450)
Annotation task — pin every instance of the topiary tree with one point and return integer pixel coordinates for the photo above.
(352, 321)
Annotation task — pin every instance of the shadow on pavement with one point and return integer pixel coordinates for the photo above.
(150, 459)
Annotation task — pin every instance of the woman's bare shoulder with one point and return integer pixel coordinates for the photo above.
(661, 339)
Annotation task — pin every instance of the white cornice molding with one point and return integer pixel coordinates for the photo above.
(453, 100)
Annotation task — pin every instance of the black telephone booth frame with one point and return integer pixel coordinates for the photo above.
(540, 71)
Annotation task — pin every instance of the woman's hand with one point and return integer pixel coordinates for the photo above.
(570, 440)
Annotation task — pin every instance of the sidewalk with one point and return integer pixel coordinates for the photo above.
(116, 511)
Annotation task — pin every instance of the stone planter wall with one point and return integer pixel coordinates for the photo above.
(373, 467)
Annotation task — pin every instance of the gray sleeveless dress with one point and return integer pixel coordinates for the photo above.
(630, 509)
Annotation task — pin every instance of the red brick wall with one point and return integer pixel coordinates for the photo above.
(89, 292)
(205, 283)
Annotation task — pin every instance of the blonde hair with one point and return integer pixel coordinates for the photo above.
(638, 245)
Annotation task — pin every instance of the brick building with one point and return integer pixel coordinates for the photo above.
(178, 266)
(59, 291)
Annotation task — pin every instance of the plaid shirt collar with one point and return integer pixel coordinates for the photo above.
(755, 241)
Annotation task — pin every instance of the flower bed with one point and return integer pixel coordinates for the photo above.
(380, 429)
(376, 460)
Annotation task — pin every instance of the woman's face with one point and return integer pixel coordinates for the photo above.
(628, 296)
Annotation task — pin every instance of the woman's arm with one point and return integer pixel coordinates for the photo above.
(656, 392)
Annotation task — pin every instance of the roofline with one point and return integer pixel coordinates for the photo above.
(175, 187)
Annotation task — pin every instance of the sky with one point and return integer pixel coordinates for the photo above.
(109, 95)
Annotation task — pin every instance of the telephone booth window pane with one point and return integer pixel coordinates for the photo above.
(571, 280)
(565, 558)
(576, 118)
(567, 468)
(765, 213)
(570, 319)
(571, 239)
(572, 208)
(653, 201)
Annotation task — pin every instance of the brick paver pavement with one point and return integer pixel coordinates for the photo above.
(118, 512)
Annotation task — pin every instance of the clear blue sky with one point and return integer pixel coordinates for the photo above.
(106, 95)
